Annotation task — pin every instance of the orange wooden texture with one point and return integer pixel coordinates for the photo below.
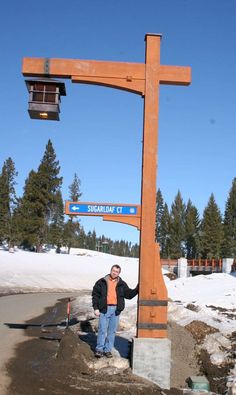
(133, 221)
(152, 286)
(121, 75)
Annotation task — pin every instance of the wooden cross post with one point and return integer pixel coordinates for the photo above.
(142, 79)
(153, 299)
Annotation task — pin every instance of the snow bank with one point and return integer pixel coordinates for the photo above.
(79, 270)
(218, 289)
(82, 268)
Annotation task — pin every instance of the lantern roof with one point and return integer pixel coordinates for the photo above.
(47, 81)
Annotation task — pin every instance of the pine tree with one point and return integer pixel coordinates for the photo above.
(165, 233)
(177, 228)
(50, 182)
(4, 205)
(134, 251)
(119, 248)
(8, 201)
(39, 202)
(56, 226)
(74, 189)
(211, 230)
(159, 214)
(91, 241)
(71, 235)
(16, 224)
(94, 239)
(192, 223)
(31, 213)
(81, 240)
(229, 244)
(72, 226)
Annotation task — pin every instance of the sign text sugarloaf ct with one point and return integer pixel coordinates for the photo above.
(100, 209)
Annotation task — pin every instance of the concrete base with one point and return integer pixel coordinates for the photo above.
(151, 359)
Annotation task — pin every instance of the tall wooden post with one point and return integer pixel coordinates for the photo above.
(152, 311)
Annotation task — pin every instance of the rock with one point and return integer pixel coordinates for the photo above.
(111, 365)
(193, 307)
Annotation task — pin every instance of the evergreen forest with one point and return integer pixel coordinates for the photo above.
(36, 220)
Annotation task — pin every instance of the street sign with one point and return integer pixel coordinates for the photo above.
(101, 209)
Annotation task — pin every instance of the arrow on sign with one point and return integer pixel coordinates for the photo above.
(74, 208)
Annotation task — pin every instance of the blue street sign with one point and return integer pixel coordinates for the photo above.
(101, 209)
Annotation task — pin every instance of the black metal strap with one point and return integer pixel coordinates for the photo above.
(145, 325)
(46, 66)
(153, 302)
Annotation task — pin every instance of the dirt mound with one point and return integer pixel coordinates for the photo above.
(74, 350)
(200, 330)
(183, 355)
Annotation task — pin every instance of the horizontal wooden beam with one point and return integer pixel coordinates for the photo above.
(175, 75)
(124, 75)
(66, 68)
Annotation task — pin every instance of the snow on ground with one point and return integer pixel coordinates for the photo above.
(49, 270)
(218, 289)
(82, 268)
(210, 296)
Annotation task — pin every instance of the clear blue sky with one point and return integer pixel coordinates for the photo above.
(100, 132)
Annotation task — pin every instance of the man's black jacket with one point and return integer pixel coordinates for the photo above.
(99, 295)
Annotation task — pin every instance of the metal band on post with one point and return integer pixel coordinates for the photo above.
(153, 302)
(46, 67)
(146, 325)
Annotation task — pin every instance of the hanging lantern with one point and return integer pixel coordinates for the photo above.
(44, 98)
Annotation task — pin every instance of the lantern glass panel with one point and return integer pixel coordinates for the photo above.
(38, 96)
(50, 88)
(50, 97)
(39, 86)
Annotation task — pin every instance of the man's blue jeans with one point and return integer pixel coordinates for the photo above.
(108, 323)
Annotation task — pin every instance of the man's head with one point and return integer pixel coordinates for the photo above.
(115, 271)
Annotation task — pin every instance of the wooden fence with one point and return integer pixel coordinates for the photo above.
(198, 265)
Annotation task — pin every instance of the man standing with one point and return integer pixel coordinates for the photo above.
(108, 297)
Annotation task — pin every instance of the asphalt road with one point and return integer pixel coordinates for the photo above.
(18, 309)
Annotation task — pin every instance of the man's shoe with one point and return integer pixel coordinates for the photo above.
(108, 354)
(99, 354)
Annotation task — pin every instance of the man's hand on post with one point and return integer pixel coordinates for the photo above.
(97, 313)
